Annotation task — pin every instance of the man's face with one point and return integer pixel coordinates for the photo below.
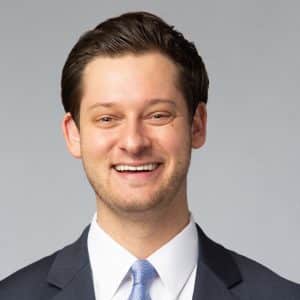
(135, 136)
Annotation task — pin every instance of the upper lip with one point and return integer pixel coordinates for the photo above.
(135, 164)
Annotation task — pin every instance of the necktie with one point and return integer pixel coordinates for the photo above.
(143, 274)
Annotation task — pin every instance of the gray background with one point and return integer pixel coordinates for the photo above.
(244, 184)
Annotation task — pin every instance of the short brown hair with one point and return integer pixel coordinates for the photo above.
(135, 32)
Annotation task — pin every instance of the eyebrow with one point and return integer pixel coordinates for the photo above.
(150, 103)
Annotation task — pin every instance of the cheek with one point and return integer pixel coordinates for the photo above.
(94, 144)
(175, 141)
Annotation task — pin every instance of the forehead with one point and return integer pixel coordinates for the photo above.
(129, 77)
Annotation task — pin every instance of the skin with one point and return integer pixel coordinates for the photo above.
(133, 113)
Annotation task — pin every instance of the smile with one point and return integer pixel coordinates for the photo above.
(139, 168)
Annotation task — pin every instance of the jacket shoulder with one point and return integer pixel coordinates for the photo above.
(259, 282)
(43, 278)
(28, 282)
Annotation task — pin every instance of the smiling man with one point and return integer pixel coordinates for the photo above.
(134, 137)
(135, 93)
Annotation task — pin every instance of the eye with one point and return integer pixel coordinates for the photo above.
(160, 118)
(106, 121)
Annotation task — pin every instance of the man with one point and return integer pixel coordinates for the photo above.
(135, 93)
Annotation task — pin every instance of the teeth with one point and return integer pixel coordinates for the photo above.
(124, 168)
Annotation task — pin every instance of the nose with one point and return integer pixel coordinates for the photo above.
(134, 138)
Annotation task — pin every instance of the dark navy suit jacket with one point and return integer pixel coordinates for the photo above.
(221, 275)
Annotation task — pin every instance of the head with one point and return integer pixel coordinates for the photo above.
(135, 33)
(135, 92)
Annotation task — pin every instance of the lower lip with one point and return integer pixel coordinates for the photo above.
(139, 176)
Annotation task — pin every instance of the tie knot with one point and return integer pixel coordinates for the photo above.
(143, 272)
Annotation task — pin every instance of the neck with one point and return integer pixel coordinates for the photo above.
(144, 232)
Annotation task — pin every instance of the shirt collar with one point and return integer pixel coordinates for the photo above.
(110, 262)
(176, 260)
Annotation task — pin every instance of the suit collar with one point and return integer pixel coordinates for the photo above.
(216, 273)
(69, 261)
(71, 271)
(218, 259)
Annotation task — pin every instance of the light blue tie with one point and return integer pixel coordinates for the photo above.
(143, 274)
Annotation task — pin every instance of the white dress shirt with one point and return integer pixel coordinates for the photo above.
(175, 263)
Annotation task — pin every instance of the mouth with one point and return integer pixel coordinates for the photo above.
(149, 167)
(137, 174)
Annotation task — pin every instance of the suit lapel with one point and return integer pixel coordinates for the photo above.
(217, 273)
(81, 287)
(209, 287)
(71, 272)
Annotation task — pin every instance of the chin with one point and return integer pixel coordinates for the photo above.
(133, 204)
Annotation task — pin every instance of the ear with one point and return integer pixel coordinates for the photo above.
(71, 135)
(199, 126)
